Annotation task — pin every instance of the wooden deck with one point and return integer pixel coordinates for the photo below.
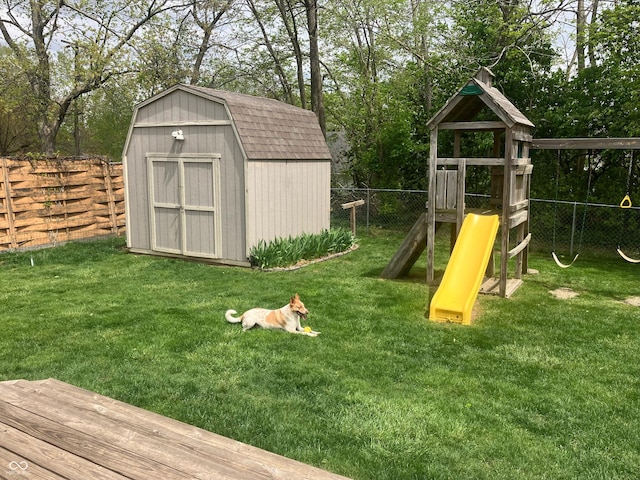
(53, 430)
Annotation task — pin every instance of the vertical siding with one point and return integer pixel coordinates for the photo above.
(232, 196)
(181, 107)
(287, 198)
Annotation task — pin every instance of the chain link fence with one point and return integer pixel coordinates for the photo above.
(564, 227)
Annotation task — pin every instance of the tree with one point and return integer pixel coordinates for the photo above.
(207, 16)
(616, 45)
(16, 129)
(264, 17)
(289, 15)
(107, 115)
(317, 104)
(373, 86)
(397, 62)
(99, 34)
(586, 16)
(161, 59)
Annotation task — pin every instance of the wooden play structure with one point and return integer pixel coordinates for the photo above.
(479, 108)
(476, 107)
(589, 145)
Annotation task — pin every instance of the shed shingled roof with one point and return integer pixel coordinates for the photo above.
(270, 129)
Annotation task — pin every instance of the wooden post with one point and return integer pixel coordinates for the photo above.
(519, 239)
(352, 206)
(462, 174)
(460, 182)
(506, 202)
(9, 205)
(525, 253)
(111, 201)
(431, 205)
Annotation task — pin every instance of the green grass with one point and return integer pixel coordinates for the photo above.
(536, 388)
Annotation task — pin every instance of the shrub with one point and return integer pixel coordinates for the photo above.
(284, 252)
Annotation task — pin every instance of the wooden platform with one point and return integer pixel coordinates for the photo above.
(491, 286)
(53, 430)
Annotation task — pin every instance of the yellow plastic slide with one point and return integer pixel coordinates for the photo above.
(458, 290)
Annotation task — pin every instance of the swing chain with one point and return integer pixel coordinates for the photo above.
(586, 202)
(584, 214)
(630, 173)
(626, 201)
(555, 204)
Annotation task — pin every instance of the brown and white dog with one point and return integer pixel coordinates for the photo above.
(286, 318)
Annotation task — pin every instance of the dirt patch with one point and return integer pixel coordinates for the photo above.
(476, 311)
(564, 293)
(633, 301)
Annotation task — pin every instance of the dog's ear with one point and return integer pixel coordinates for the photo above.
(294, 299)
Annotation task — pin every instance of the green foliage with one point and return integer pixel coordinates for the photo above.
(17, 130)
(162, 61)
(617, 43)
(108, 115)
(284, 252)
(599, 101)
(403, 64)
(389, 65)
(386, 128)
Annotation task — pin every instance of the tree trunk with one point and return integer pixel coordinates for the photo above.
(288, 16)
(581, 34)
(422, 58)
(317, 104)
(594, 17)
(40, 81)
(282, 76)
(202, 50)
(200, 16)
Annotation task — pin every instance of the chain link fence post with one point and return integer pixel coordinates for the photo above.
(368, 207)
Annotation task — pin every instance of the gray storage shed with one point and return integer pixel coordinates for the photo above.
(210, 173)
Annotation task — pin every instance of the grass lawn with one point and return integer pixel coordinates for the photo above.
(537, 387)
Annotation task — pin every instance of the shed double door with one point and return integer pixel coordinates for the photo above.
(185, 204)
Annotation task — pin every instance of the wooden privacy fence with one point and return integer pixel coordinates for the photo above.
(45, 202)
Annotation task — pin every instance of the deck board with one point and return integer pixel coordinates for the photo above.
(204, 443)
(62, 431)
(15, 466)
(45, 461)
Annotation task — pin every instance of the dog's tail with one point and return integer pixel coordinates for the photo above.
(230, 318)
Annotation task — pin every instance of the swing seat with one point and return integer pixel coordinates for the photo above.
(560, 264)
(626, 202)
(626, 257)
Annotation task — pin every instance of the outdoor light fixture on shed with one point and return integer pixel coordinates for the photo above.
(177, 134)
